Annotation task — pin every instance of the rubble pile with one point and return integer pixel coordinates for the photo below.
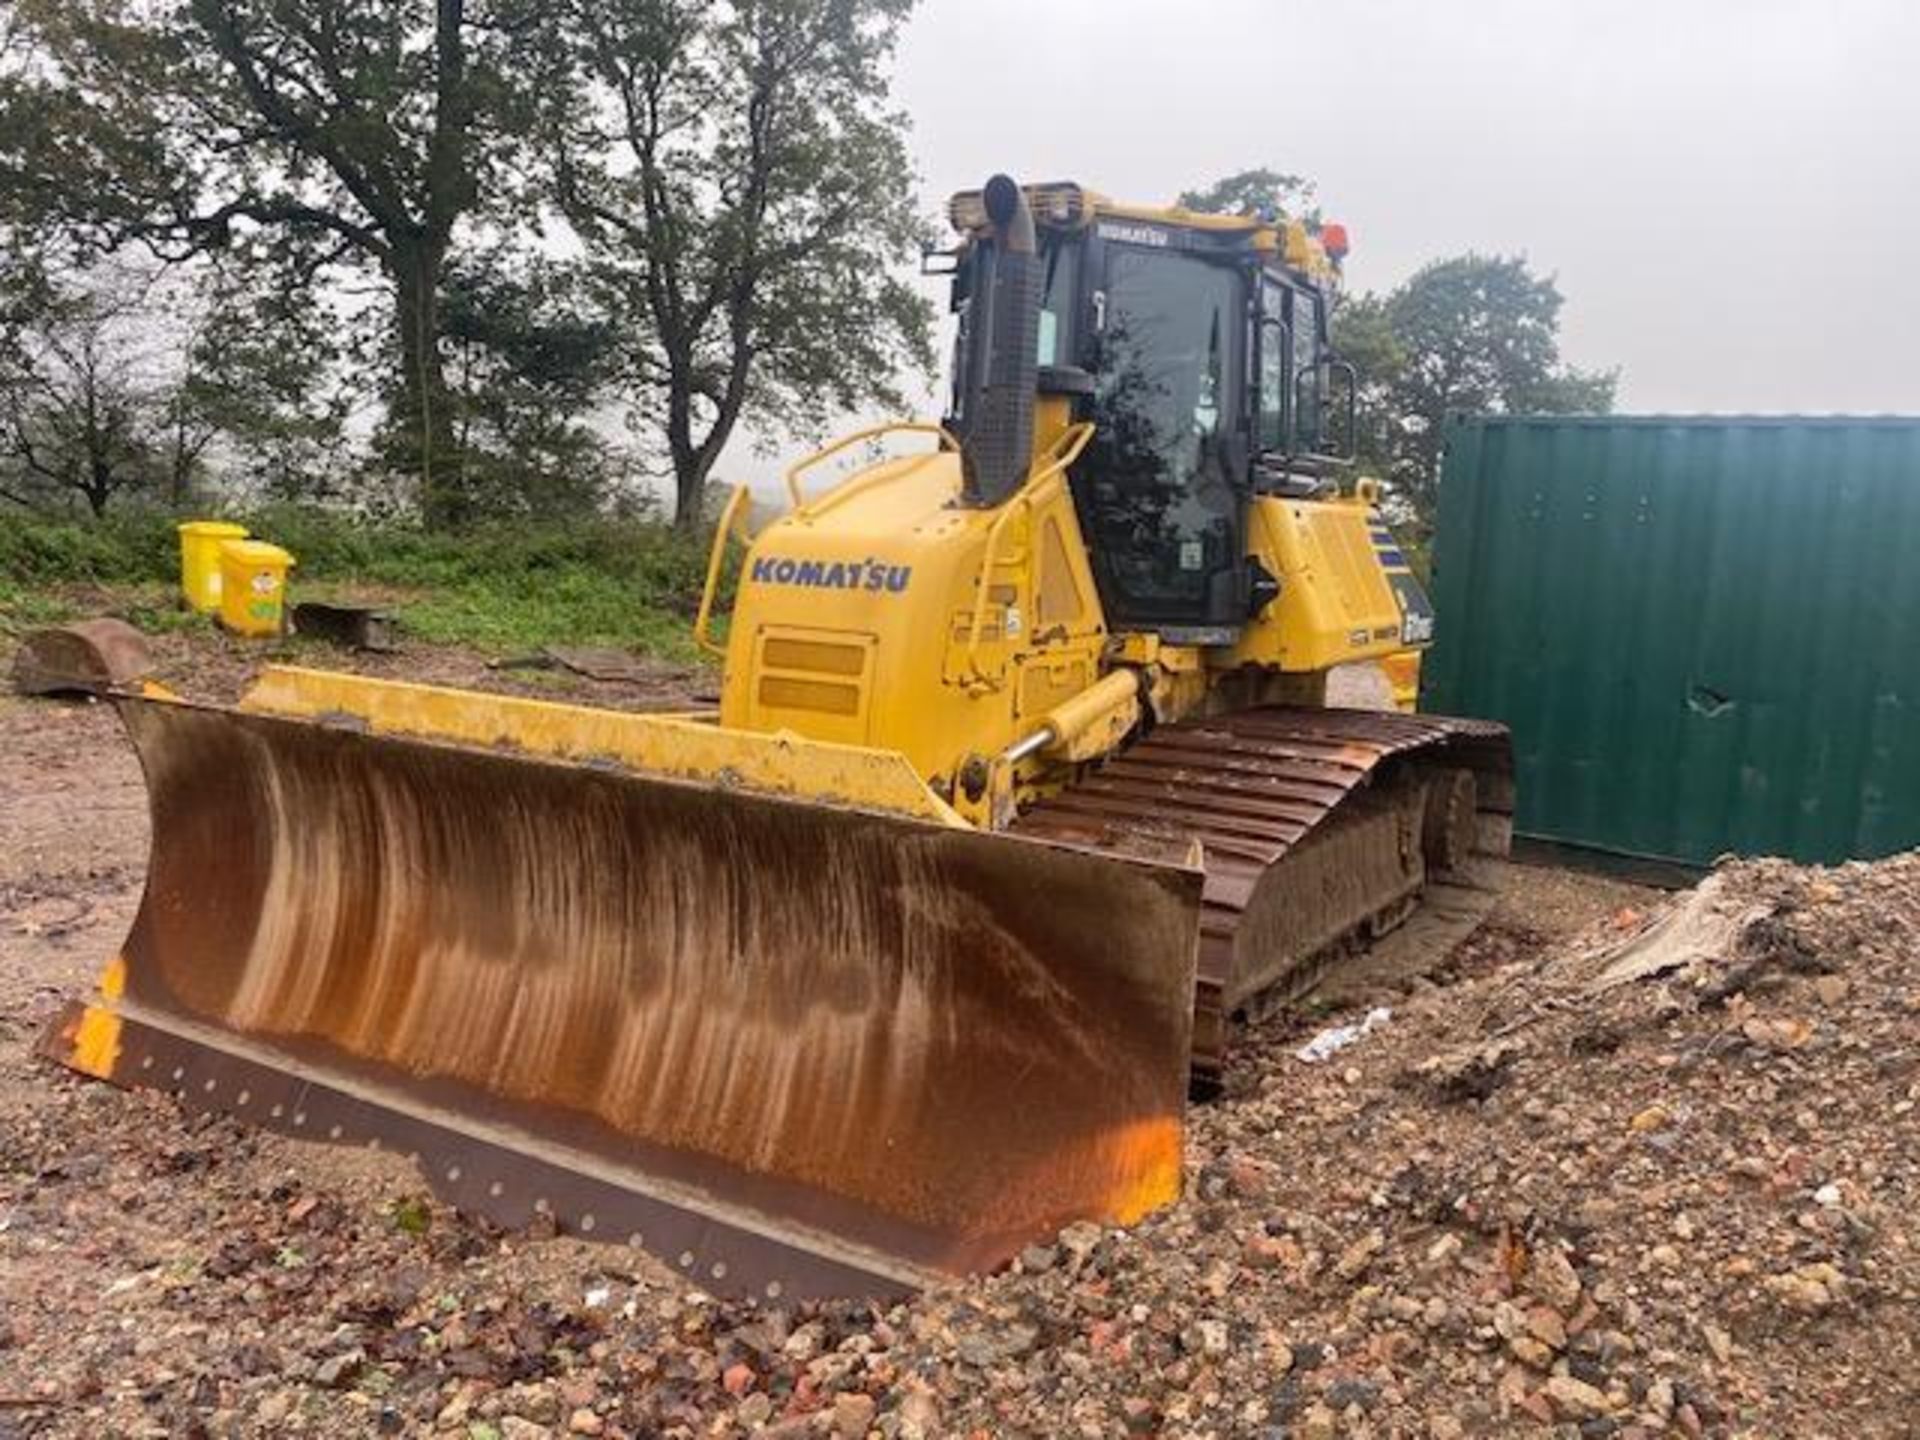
(1661, 1177)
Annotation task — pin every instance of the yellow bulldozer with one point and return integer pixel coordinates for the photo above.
(1022, 793)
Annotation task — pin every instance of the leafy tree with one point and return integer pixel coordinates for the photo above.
(1471, 334)
(740, 182)
(530, 356)
(118, 378)
(1259, 191)
(77, 393)
(335, 133)
(259, 389)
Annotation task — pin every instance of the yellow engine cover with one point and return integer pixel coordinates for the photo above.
(855, 616)
(1337, 602)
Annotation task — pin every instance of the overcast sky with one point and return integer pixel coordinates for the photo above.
(1727, 190)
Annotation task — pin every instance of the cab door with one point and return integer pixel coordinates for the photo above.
(1162, 489)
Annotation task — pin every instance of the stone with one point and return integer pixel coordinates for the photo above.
(804, 1343)
(338, 1370)
(537, 1403)
(1247, 1178)
(1554, 1280)
(1546, 1326)
(1660, 1400)
(1832, 989)
(1718, 1341)
(1785, 1033)
(1037, 1259)
(1358, 1257)
(1575, 1399)
(585, 1422)
(1319, 1423)
(738, 1379)
(1344, 1394)
(852, 1415)
(1080, 1239)
(518, 1427)
(1810, 1289)
(919, 1415)
(1529, 1351)
(756, 1409)
(1205, 1337)
(273, 1408)
(1536, 1404)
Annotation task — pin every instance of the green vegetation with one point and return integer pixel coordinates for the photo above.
(501, 590)
(227, 227)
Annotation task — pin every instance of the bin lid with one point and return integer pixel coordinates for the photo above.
(254, 552)
(211, 527)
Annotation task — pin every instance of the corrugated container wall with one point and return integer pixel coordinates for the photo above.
(1704, 633)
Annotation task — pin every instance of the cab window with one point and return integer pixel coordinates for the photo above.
(1155, 491)
(1307, 416)
(1275, 348)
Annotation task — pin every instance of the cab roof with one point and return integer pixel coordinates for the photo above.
(1066, 205)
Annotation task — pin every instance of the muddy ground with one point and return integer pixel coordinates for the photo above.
(1536, 1200)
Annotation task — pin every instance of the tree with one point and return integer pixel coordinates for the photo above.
(118, 378)
(1476, 334)
(743, 191)
(1259, 191)
(531, 356)
(259, 384)
(78, 399)
(356, 133)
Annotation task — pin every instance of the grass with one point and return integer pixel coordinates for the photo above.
(501, 590)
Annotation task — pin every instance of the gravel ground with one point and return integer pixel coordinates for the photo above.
(1626, 1165)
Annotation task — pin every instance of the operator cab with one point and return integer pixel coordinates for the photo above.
(1198, 348)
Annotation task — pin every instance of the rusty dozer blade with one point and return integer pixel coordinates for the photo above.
(791, 1048)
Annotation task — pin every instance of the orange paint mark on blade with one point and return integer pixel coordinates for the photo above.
(96, 1043)
(1150, 1152)
(94, 1038)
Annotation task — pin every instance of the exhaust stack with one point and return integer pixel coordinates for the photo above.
(1005, 364)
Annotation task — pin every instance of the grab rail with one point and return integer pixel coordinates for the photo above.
(1063, 452)
(872, 432)
(714, 559)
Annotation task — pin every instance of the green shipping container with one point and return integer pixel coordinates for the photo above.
(1704, 632)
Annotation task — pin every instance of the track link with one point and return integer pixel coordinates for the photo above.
(1319, 831)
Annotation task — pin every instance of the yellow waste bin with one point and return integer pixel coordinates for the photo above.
(253, 586)
(200, 542)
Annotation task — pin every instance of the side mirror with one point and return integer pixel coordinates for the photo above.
(1317, 443)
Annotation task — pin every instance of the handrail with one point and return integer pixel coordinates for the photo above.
(872, 432)
(714, 559)
(1063, 452)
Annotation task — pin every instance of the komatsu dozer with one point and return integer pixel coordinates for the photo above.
(1022, 793)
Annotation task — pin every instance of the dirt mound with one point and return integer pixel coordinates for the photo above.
(1655, 1174)
(1618, 1199)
